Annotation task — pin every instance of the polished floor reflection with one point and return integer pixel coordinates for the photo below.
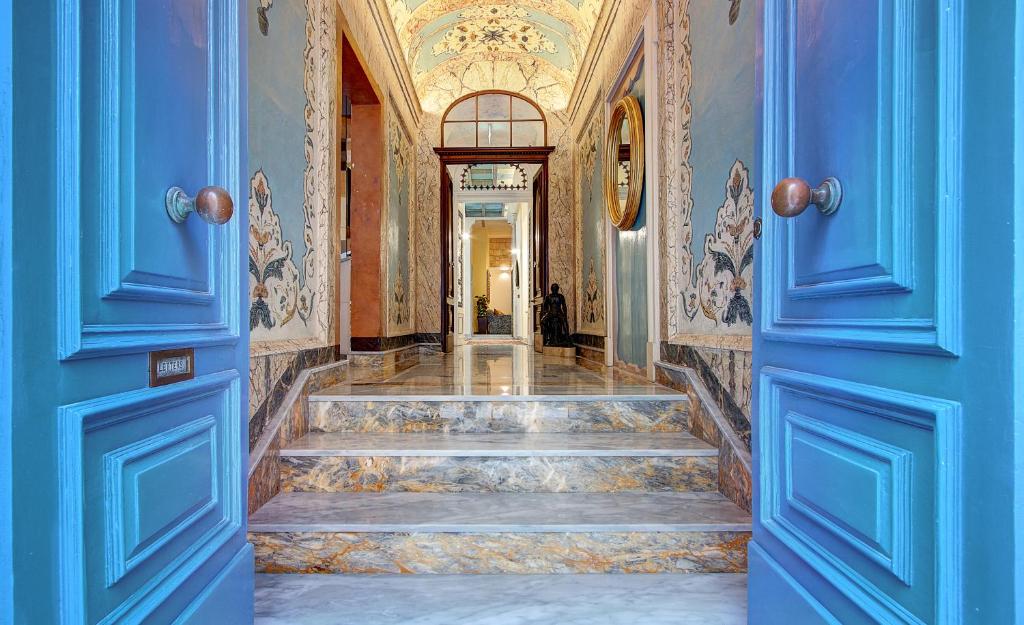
(490, 371)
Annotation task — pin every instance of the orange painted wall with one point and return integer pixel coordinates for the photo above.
(367, 204)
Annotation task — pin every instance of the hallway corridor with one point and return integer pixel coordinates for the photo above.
(513, 487)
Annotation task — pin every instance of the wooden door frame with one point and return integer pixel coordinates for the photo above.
(471, 156)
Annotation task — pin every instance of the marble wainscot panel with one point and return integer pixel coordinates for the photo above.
(288, 422)
(271, 376)
(448, 474)
(378, 365)
(725, 372)
(709, 424)
(498, 416)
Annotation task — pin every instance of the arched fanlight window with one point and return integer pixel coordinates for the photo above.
(493, 119)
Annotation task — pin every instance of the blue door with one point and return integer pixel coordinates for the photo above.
(884, 399)
(128, 480)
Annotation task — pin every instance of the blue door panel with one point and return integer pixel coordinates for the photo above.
(174, 118)
(153, 488)
(218, 601)
(150, 104)
(791, 602)
(839, 82)
(864, 488)
(883, 403)
(856, 92)
(131, 497)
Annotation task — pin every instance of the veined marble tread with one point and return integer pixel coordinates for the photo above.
(433, 444)
(499, 512)
(651, 599)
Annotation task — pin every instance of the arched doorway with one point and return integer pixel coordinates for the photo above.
(493, 127)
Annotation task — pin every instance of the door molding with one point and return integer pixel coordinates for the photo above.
(105, 414)
(78, 338)
(892, 556)
(469, 156)
(940, 333)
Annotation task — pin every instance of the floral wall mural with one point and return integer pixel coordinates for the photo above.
(291, 187)
(291, 99)
(400, 228)
(278, 294)
(590, 262)
(724, 278)
(705, 117)
(707, 204)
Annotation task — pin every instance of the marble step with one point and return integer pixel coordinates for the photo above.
(503, 462)
(502, 599)
(492, 533)
(594, 413)
(500, 444)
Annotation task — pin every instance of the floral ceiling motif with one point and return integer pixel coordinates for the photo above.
(455, 47)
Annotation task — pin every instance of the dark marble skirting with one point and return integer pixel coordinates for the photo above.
(382, 343)
(687, 356)
(589, 340)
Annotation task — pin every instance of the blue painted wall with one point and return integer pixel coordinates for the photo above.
(722, 100)
(277, 101)
(631, 270)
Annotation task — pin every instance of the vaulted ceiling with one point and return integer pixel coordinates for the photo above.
(532, 47)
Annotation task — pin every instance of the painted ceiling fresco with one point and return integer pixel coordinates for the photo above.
(533, 47)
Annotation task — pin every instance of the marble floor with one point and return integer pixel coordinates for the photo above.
(507, 488)
(694, 599)
(489, 371)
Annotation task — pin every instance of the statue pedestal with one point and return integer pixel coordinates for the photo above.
(561, 352)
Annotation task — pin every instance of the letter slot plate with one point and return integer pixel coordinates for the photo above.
(171, 365)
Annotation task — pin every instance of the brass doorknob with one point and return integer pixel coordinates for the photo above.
(212, 204)
(792, 196)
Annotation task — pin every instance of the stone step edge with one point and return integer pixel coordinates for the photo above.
(500, 453)
(532, 445)
(496, 398)
(496, 513)
(494, 528)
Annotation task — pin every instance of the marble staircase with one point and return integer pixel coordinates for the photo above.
(457, 485)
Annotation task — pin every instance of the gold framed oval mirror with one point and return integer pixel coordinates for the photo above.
(624, 162)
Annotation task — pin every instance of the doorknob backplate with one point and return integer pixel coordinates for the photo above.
(792, 196)
(213, 204)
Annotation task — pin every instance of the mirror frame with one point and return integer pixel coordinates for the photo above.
(628, 109)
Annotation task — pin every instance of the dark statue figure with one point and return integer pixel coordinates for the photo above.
(554, 320)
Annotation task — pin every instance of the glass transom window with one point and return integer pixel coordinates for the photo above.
(493, 119)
